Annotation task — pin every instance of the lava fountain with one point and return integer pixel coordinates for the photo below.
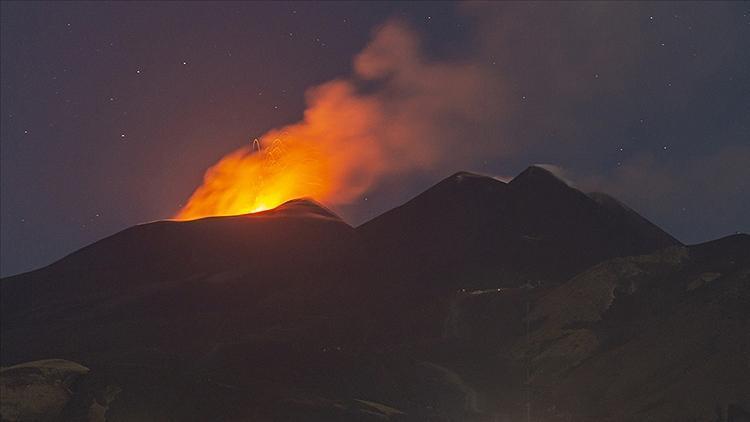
(254, 178)
(413, 114)
(331, 156)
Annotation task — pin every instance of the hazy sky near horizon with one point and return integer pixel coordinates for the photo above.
(111, 112)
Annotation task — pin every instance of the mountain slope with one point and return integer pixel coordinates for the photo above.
(475, 301)
(630, 339)
(277, 264)
(471, 230)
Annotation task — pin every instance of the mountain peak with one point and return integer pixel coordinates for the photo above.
(464, 175)
(536, 175)
(301, 207)
(462, 186)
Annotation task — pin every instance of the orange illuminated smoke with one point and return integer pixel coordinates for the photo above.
(253, 179)
(330, 156)
(413, 118)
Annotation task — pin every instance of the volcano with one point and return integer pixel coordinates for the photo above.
(535, 229)
(477, 300)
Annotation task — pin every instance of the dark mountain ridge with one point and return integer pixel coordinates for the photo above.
(470, 302)
(187, 273)
(535, 228)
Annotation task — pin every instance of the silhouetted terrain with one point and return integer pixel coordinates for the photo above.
(535, 228)
(477, 300)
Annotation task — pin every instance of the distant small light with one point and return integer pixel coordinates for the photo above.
(122, 135)
(184, 63)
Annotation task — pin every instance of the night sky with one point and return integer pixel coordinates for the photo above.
(111, 112)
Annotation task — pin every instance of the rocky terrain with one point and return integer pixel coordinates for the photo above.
(478, 300)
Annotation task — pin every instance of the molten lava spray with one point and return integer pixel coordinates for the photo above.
(330, 156)
(348, 139)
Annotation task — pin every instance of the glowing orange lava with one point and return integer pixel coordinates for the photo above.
(330, 156)
(353, 135)
(251, 180)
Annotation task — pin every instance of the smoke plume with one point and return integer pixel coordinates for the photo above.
(399, 112)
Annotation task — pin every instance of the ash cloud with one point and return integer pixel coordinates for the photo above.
(421, 115)
(594, 88)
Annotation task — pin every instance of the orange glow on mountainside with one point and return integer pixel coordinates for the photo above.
(330, 156)
(354, 135)
(251, 180)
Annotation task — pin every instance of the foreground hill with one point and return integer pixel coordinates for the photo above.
(168, 284)
(626, 340)
(476, 301)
